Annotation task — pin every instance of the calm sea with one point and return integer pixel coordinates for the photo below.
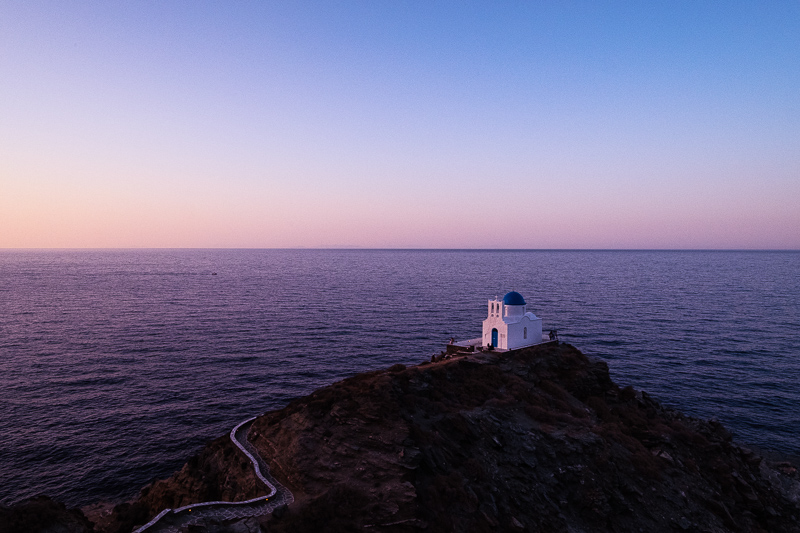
(116, 366)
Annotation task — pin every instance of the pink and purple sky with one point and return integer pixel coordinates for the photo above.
(408, 124)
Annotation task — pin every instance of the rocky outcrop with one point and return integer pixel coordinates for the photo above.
(538, 439)
(40, 514)
(533, 440)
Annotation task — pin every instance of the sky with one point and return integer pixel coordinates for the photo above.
(400, 124)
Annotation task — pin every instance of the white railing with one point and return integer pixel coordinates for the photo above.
(256, 468)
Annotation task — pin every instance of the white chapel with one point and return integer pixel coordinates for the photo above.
(509, 325)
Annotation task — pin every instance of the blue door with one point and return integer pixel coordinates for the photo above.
(494, 337)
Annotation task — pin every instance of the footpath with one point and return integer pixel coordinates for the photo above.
(173, 520)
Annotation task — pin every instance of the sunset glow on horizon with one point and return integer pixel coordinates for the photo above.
(400, 125)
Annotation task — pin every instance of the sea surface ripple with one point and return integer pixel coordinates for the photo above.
(117, 365)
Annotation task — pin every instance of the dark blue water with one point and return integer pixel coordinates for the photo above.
(116, 366)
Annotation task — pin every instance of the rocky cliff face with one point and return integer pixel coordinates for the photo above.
(41, 514)
(537, 440)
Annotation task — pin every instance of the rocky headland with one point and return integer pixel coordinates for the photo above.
(539, 440)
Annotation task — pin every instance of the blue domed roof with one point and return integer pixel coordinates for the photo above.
(513, 298)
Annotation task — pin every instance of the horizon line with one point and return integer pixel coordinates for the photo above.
(408, 249)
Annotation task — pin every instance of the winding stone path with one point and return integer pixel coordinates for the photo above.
(172, 520)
